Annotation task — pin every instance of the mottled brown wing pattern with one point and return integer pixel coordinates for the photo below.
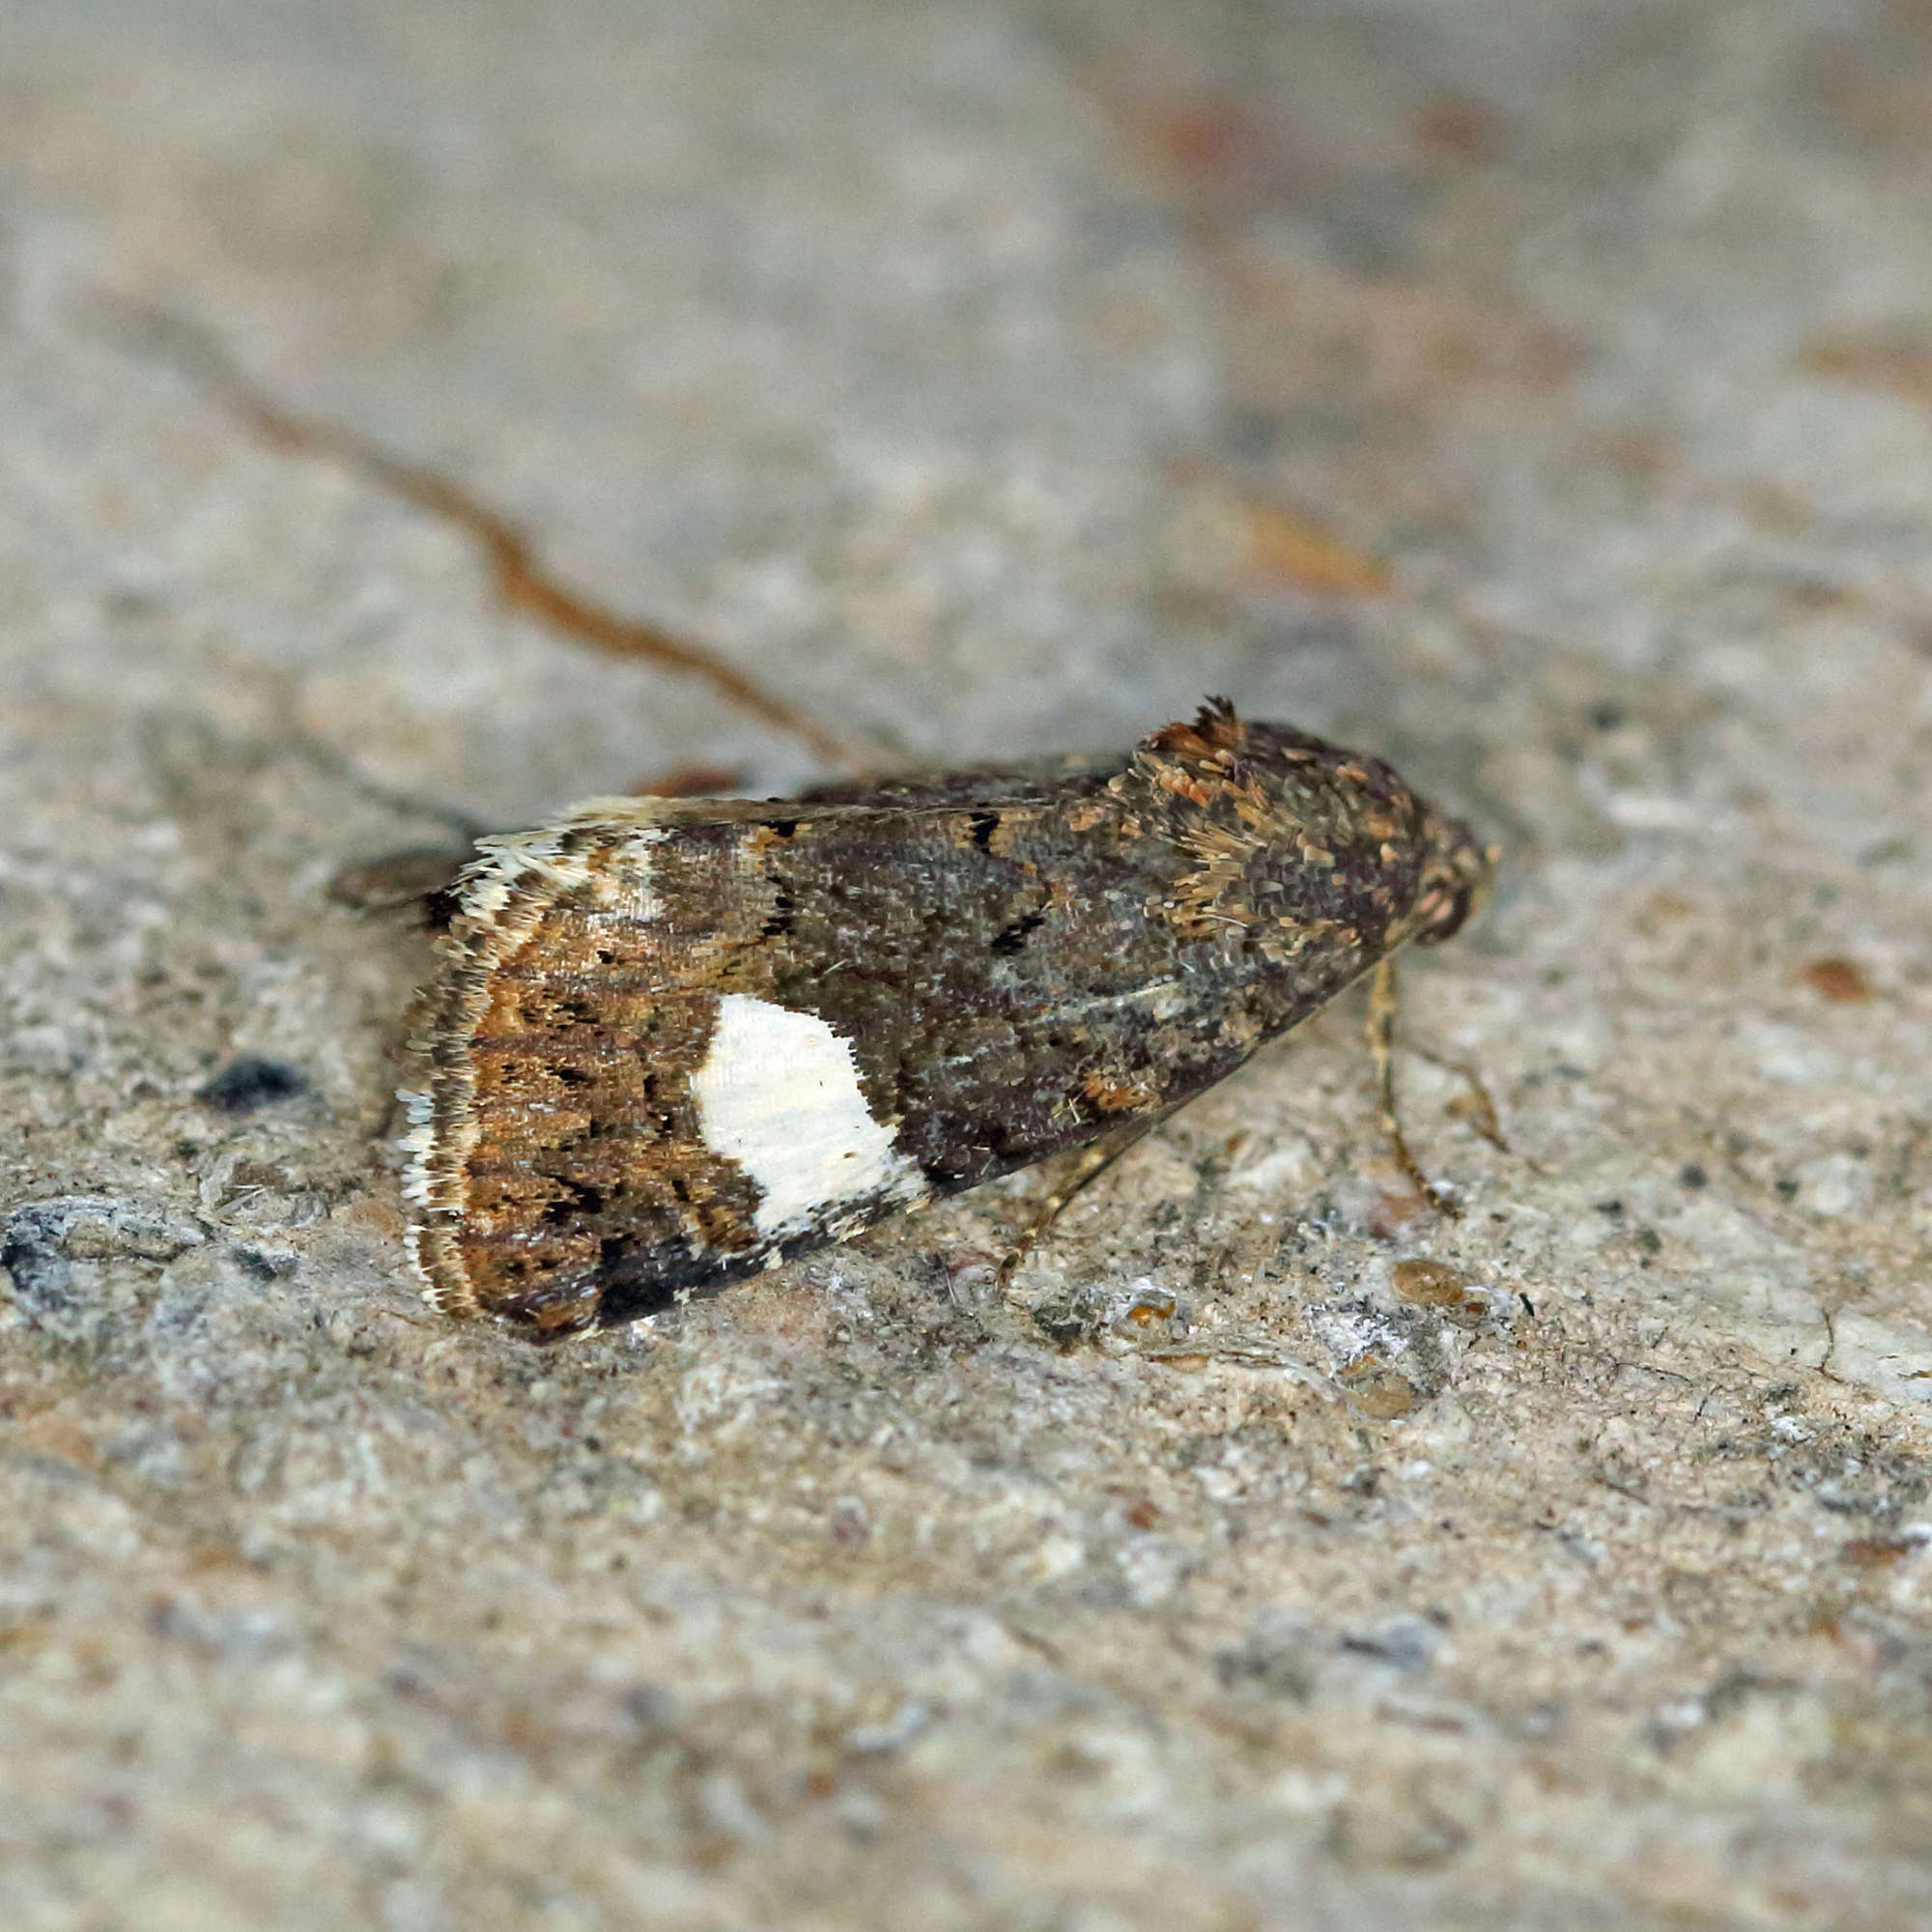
(673, 1045)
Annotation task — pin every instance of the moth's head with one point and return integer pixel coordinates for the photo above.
(1456, 877)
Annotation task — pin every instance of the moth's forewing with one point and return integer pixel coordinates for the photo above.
(674, 1046)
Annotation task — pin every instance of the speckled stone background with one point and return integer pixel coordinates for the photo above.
(1538, 393)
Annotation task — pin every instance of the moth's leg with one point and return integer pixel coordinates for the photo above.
(1091, 1161)
(1474, 1108)
(422, 876)
(1381, 1047)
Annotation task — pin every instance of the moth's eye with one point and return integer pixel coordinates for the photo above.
(1444, 907)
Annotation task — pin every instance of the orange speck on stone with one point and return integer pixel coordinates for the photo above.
(1842, 982)
(1903, 366)
(1457, 126)
(1286, 546)
(1208, 141)
(1429, 1282)
(1378, 1391)
(689, 782)
(1877, 1553)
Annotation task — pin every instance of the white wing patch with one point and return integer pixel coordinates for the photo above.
(779, 1093)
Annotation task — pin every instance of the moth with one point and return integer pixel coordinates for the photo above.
(676, 1042)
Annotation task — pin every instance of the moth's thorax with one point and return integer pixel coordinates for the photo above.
(1301, 847)
(671, 1047)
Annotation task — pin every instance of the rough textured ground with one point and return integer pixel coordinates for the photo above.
(1540, 394)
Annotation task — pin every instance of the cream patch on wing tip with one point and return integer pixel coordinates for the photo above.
(779, 1093)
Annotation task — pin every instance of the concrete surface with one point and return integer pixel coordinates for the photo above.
(1541, 394)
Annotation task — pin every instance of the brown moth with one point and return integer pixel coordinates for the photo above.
(677, 1042)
